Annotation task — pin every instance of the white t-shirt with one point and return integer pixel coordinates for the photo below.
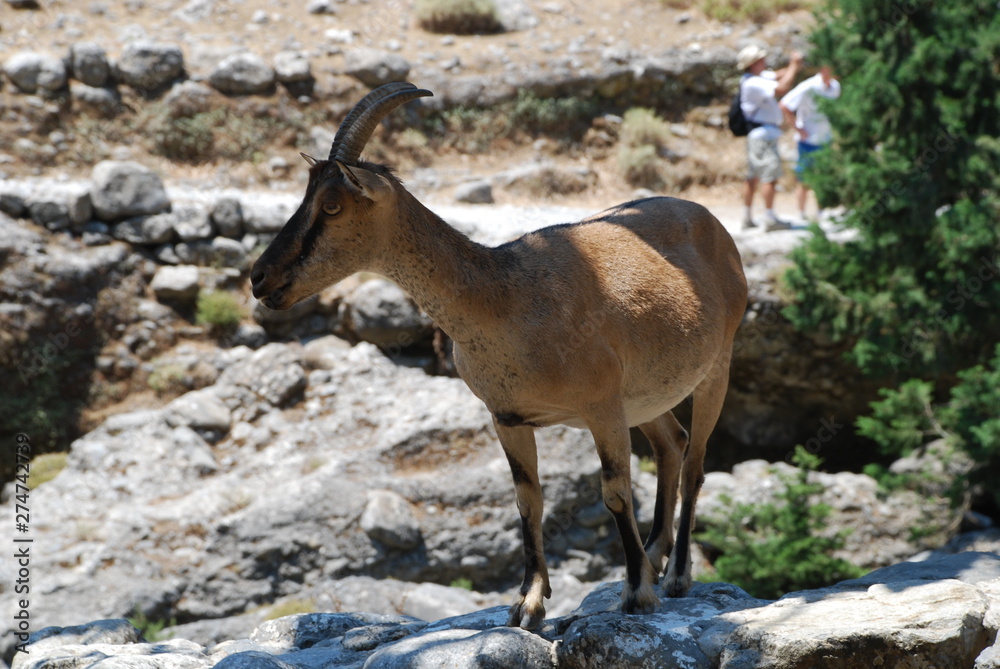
(757, 98)
(802, 101)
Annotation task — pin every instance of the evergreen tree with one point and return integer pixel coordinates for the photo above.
(915, 289)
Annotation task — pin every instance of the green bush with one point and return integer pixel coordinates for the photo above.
(913, 292)
(772, 549)
(219, 310)
(969, 421)
(458, 17)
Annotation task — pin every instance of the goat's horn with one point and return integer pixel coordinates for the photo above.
(363, 104)
(361, 130)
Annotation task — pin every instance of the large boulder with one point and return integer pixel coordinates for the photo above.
(149, 66)
(937, 614)
(121, 189)
(242, 74)
(33, 72)
(381, 313)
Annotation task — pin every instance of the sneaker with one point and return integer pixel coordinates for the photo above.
(777, 224)
(748, 224)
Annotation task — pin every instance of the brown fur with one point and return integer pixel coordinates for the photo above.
(605, 324)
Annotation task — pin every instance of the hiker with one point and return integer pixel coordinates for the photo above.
(760, 89)
(801, 109)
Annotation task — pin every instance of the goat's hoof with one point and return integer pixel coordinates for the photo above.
(526, 617)
(642, 600)
(675, 587)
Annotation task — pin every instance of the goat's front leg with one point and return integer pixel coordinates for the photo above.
(614, 446)
(518, 443)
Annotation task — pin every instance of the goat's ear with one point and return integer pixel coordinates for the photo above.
(309, 159)
(364, 182)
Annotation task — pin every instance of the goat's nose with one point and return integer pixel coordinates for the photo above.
(257, 276)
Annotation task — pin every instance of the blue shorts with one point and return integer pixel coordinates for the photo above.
(805, 160)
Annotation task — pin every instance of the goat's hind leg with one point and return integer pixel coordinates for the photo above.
(518, 443)
(708, 399)
(669, 441)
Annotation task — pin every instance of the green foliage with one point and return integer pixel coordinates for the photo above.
(771, 549)
(463, 583)
(458, 17)
(219, 310)
(969, 421)
(915, 162)
(290, 607)
(152, 629)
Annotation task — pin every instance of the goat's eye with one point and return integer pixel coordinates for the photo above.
(331, 209)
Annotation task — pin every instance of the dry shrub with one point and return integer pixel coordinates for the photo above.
(458, 17)
(644, 138)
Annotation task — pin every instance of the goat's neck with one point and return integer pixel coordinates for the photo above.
(450, 276)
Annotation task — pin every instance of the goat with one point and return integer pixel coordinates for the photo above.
(603, 324)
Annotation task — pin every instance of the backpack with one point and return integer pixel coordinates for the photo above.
(739, 124)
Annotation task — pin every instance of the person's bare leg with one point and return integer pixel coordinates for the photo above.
(802, 193)
(767, 191)
(749, 187)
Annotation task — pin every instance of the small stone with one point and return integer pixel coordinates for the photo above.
(388, 519)
(475, 192)
(242, 74)
(90, 64)
(227, 214)
(291, 67)
(148, 66)
(176, 284)
(122, 189)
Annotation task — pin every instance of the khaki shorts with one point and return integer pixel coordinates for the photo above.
(763, 160)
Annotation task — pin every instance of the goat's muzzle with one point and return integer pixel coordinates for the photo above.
(265, 286)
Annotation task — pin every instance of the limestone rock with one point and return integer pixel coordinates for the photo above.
(292, 66)
(148, 66)
(191, 223)
(381, 313)
(475, 192)
(227, 214)
(467, 649)
(220, 252)
(200, 410)
(144, 230)
(104, 102)
(34, 72)
(187, 98)
(374, 67)
(90, 64)
(389, 519)
(121, 189)
(176, 284)
(242, 74)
